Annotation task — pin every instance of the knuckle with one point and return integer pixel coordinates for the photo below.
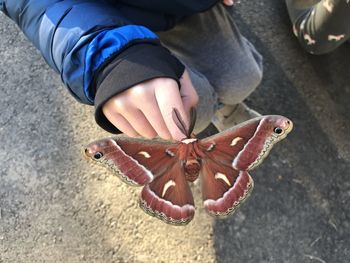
(168, 81)
(120, 105)
(140, 93)
(138, 90)
(160, 83)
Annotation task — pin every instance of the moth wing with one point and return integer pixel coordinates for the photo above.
(244, 146)
(168, 197)
(135, 161)
(224, 189)
(227, 156)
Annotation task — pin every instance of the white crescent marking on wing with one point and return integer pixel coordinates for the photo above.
(170, 153)
(145, 154)
(235, 140)
(222, 177)
(167, 186)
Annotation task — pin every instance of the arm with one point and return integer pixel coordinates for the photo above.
(77, 37)
(91, 43)
(323, 27)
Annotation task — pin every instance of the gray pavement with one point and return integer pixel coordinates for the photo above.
(56, 207)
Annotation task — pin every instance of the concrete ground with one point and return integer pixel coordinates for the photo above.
(56, 207)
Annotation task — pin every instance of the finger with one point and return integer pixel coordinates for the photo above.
(139, 122)
(152, 113)
(120, 122)
(228, 2)
(168, 97)
(188, 93)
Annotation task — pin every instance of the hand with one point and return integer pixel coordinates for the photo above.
(146, 109)
(228, 2)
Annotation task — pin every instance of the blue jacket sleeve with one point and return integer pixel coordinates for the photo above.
(76, 37)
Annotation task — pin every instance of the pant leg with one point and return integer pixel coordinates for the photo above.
(211, 43)
(322, 27)
(207, 103)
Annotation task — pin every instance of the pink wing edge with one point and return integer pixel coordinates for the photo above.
(165, 210)
(233, 198)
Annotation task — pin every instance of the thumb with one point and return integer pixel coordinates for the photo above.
(188, 93)
(228, 2)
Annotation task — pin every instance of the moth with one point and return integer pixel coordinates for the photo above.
(165, 169)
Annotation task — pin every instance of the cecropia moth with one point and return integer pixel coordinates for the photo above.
(165, 168)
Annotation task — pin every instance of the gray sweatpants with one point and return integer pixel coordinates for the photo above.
(223, 65)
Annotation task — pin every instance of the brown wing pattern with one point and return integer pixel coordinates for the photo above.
(136, 161)
(223, 188)
(229, 144)
(166, 194)
(246, 145)
(227, 156)
(169, 197)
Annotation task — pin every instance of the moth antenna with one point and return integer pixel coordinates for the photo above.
(179, 122)
(193, 118)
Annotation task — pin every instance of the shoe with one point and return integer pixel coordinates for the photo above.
(231, 115)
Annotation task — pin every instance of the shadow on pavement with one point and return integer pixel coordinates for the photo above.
(299, 210)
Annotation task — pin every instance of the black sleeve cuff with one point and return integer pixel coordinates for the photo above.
(138, 63)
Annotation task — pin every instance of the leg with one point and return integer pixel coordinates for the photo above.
(322, 27)
(211, 43)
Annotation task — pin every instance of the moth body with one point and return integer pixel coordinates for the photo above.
(187, 152)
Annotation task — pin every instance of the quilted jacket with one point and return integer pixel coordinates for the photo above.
(85, 40)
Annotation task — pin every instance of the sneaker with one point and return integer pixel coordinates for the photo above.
(231, 115)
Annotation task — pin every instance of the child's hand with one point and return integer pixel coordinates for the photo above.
(146, 109)
(228, 2)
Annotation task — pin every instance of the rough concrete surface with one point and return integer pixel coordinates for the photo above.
(57, 207)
